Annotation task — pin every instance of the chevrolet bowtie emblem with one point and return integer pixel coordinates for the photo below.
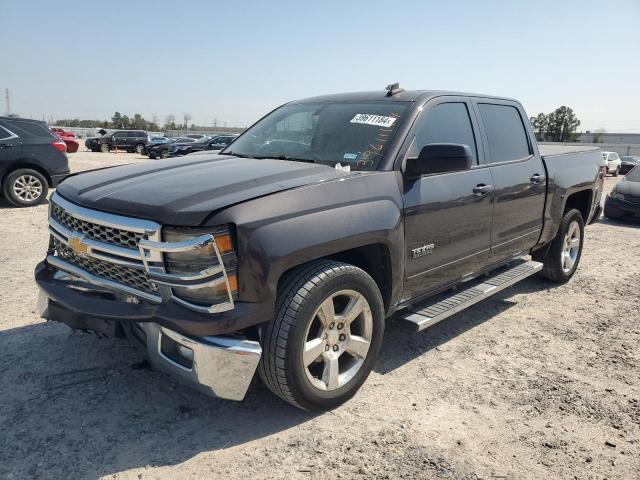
(78, 246)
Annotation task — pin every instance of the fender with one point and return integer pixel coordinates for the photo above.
(286, 229)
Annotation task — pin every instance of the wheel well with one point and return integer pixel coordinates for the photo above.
(581, 201)
(373, 259)
(37, 168)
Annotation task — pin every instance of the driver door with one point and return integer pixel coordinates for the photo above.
(448, 215)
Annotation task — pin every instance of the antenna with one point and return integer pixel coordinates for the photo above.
(393, 88)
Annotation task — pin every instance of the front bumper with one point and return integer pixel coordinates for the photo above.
(216, 365)
(620, 208)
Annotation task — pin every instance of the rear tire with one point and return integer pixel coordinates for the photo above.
(562, 257)
(616, 172)
(325, 337)
(25, 187)
(104, 147)
(164, 154)
(139, 148)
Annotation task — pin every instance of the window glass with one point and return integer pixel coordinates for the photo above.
(446, 123)
(4, 133)
(33, 129)
(505, 132)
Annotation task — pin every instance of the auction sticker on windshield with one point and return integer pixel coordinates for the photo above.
(377, 120)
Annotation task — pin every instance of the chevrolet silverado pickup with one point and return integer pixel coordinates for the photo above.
(288, 251)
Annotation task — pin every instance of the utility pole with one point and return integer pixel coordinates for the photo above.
(8, 102)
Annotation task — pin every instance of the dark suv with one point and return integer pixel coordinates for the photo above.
(32, 160)
(129, 140)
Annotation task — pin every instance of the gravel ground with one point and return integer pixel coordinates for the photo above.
(540, 381)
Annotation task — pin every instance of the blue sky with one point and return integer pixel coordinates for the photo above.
(236, 60)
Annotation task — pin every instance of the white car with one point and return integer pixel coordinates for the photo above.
(613, 162)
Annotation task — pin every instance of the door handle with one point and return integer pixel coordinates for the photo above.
(481, 189)
(5, 145)
(536, 178)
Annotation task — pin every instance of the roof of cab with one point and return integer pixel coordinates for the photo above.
(382, 95)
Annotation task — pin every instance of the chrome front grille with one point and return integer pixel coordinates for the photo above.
(101, 233)
(132, 277)
(126, 255)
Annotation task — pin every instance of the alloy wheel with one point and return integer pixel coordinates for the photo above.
(337, 340)
(571, 247)
(27, 188)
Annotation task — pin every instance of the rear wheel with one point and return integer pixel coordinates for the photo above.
(25, 187)
(139, 148)
(164, 154)
(562, 257)
(616, 172)
(104, 148)
(325, 337)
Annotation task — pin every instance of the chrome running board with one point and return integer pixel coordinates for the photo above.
(419, 319)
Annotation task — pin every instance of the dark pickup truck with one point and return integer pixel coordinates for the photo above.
(287, 252)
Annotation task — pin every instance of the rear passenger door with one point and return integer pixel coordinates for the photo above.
(10, 146)
(519, 178)
(447, 215)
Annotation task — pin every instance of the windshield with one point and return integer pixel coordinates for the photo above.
(349, 133)
(633, 175)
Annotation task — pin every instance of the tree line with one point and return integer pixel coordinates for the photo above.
(124, 122)
(557, 126)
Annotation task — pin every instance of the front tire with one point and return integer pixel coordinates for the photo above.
(562, 257)
(325, 337)
(25, 187)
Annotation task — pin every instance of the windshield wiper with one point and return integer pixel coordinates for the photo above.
(286, 157)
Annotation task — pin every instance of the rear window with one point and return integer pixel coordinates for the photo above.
(30, 129)
(506, 134)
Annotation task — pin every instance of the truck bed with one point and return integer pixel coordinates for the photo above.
(557, 150)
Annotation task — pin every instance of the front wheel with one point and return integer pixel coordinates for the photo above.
(325, 337)
(562, 257)
(164, 154)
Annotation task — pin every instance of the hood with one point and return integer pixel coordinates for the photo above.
(626, 187)
(185, 191)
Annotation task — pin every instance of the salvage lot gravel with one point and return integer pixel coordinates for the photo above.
(541, 381)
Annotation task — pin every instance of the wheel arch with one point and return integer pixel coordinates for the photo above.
(26, 164)
(581, 201)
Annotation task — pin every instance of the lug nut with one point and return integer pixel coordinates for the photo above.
(332, 325)
(340, 326)
(342, 337)
(326, 348)
(335, 348)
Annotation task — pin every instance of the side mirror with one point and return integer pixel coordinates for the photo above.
(439, 158)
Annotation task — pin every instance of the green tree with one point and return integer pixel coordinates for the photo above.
(540, 124)
(562, 125)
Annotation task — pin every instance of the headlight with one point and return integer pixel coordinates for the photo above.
(617, 196)
(200, 259)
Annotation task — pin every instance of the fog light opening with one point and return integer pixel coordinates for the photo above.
(176, 352)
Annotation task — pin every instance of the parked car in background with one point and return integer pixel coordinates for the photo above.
(613, 162)
(161, 150)
(624, 199)
(128, 140)
(155, 140)
(69, 138)
(627, 163)
(32, 160)
(196, 136)
(204, 144)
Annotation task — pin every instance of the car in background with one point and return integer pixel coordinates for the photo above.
(206, 144)
(624, 199)
(69, 138)
(161, 150)
(32, 160)
(613, 162)
(154, 140)
(628, 162)
(128, 140)
(196, 136)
